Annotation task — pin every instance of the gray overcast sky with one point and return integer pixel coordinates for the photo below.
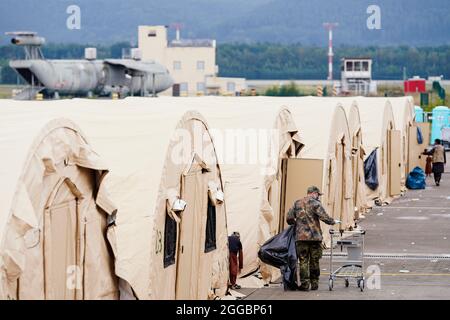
(410, 22)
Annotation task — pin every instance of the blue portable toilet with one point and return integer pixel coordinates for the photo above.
(440, 120)
(420, 117)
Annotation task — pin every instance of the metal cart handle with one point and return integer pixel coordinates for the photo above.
(332, 231)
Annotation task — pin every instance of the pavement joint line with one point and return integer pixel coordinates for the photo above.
(427, 208)
(414, 256)
(407, 274)
(248, 295)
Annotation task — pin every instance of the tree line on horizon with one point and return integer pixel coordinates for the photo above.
(272, 61)
(275, 61)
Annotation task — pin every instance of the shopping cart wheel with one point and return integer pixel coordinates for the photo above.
(330, 284)
(346, 283)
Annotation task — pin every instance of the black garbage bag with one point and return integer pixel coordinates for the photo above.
(279, 251)
(416, 179)
(419, 136)
(370, 171)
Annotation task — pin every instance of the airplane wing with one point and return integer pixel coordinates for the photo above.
(148, 66)
(21, 33)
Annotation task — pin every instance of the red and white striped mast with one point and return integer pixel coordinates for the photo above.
(330, 26)
(177, 26)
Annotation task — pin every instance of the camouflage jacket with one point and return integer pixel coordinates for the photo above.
(306, 214)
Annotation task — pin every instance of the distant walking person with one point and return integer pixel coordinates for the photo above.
(236, 258)
(307, 214)
(439, 160)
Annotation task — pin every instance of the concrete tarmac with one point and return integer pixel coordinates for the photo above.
(408, 242)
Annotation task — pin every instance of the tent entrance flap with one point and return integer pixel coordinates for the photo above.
(298, 175)
(395, 160)
(340, 175)
(414, 149)
(416, 159)
(195, 193)
(426, 134)
(356, 164)
(62, 247)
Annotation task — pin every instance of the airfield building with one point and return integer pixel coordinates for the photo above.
(191, 62)
(356, 76)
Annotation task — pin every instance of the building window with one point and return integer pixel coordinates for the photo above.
(200, 87)
(231, 87)
(365, 66)
(170, 241)
(177, 65)
(151, 33)
(184, 87)
(210, 241)
(357, 65)
(200, 65)
(349, 66)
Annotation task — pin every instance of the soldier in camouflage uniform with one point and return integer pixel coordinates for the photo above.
(306, 214)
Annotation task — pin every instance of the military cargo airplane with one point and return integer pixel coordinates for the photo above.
(84, 77)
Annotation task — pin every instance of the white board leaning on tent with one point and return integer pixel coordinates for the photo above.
(404, 115)
(54, 212)
(379, 132)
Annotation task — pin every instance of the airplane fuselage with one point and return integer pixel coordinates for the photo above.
(79, 77)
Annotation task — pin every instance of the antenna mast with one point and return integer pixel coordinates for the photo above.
(330, 26)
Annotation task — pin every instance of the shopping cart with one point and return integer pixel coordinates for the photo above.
(351, 265)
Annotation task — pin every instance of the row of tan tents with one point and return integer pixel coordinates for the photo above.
(135, 198)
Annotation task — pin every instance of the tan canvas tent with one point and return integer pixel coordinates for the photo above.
(357, 151)
(54, 211)
(325, 161)
(404, 114)
(358, 154)
(252, 136)
(158, 157)
(379, 132)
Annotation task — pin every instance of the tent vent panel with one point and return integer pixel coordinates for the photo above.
(170, 241)
(210, 241)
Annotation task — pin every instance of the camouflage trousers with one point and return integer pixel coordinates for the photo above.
(309, 253)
